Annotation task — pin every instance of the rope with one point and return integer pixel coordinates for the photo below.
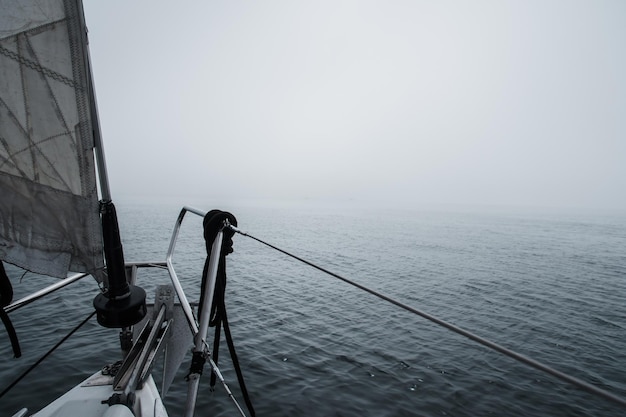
(212, 223)
(15, 343)
(33, 366)
(6, 296)
(494, 346)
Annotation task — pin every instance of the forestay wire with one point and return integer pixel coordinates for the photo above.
(494, 346)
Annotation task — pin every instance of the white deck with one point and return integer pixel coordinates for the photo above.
(86, 400)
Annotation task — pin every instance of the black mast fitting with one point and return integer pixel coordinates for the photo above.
(122, 305)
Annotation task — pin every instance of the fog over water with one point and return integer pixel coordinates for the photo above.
(402, 103)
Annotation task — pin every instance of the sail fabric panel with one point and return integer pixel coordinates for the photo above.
(56, 243)
(24, 15)
(49, 212)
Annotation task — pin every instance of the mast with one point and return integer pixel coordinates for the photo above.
(122, 305)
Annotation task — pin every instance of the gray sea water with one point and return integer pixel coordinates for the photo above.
(549, 285)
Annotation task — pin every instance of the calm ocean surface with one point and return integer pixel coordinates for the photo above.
(548, 285)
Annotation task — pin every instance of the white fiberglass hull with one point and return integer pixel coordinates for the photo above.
(86, 400)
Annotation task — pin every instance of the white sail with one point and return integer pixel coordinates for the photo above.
(49, 212)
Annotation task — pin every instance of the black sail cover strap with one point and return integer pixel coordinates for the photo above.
(6, 296)
(213, 223)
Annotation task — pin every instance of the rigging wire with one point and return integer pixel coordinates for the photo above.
(218, 374)
(33, 366)
(494, 346)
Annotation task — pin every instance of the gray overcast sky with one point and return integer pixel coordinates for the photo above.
(407, 102)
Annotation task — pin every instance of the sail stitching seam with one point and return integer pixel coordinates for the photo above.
(36, 67)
